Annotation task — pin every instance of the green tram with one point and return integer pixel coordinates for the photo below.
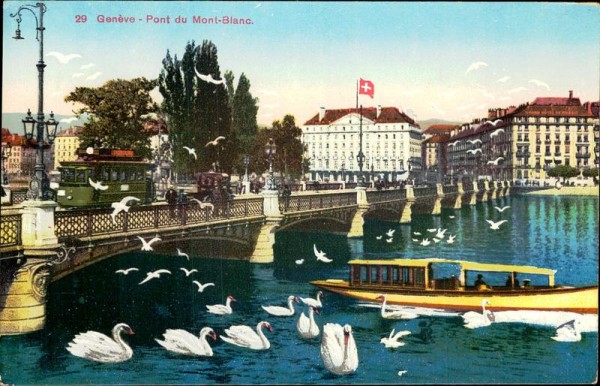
(117, 173)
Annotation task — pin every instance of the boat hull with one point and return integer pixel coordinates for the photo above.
(580, 300)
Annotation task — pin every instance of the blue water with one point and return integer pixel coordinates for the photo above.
(553, 232)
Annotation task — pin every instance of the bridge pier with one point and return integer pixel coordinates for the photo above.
(486, 189)
(358, 221)
(493, 191)
(24, 281)
(473, 195)
(263, 250)
(406, 216)
(437, 205)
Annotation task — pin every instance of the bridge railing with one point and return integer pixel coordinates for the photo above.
(317, 201)
(91, 222)
(386, 195)
(450, 189)
(480, 185)
(423, 191)
(10, 230)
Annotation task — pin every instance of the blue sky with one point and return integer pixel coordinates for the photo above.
(437, 60)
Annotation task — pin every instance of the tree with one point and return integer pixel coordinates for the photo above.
(590, 172)
(563, 171)
(244, 110)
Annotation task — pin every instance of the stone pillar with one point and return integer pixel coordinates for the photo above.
(473, 198)
(406, 216)
(507, 192)
(246, 185)
(437, 205)
(23, 289)
(358, 221)
(494, 190)
(38, 224)
(263, 250)
(271, 203)
(486, 189)
(461, 190)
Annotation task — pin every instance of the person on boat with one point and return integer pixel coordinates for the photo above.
(480, 284)
(509, 282)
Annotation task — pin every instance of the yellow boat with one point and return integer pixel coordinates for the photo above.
(430, 283)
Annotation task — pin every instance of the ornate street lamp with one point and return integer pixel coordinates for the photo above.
(343, 170)
(360, 157)
(39, 186)
(246, 163)
(270, 150)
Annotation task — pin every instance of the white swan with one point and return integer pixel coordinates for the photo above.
(282, 311)
(394, 314)
(182, 342)
(222, 309)
(100, 348)
(245, 336)
(392, 340)
(313, 302)
(474, 319)
(306, 326)
(338, 349)
(568, 332)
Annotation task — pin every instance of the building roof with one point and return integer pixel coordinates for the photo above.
(552, 110)
(12, 139)
(439, 129)
(74, 131)
(570, 101)
(387, 115)
(593, 108)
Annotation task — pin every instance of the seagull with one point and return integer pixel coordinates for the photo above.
(203, 204)
(451, 216)
(425, 242)
(179, 253)
(568, 332)
(188, 272)
(208, 78)
(502, 209)
(126, 271)
(451, 239)
(473, 142)
(402, 372)
(97, 185)
(299, 261)
(378, 237)
(154, 275)
(392, 340)
(62, 58)
(321, 255)
(475, 66)
(147, 244)
(417, 233)
(495, 162)
(495, 123)
(390, 232)
(436, 240)
(474, 151)
(121, 206)
(496, 132)
(432, 230)
(440, 233)
(415, 240)
(389, 240)
(202, 287)
(454, 143)
(496, 225)
(191, 151)
(214, 142)
(540, 83)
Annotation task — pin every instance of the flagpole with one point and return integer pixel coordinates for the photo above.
(357, 94)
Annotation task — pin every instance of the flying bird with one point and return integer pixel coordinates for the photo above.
(417, 233)
(390, 232)
(475, 66)
(179, 253)
(495, 162)
(203, 204)
(454, 143)
(436, 240)
(474, 141)
(502, 209)
(121, 206)
(402, 372)
(440, 233)
(215, 141)
(299, 261)
(202, 287)
(393, 341)
(321, 255)
(389, 240)
(191, 151)
(474, 151)
(208, 78)
(146, 245)
(379, 237)
(451, 216)
(432, 230)
(154, 275)
(415, 240)
(540, 83)
(568, 332)
(425, 242)
(494, 123)
(451, 239)
(126, 271)
(188, 272)
(496, 225)
(97, 185)
(62, 58)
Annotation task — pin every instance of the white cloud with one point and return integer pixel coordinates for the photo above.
(503, 79)
(86, 66)
(540, 83)
(516, 90)
(475, 66)
(93, 76)
(78, 75)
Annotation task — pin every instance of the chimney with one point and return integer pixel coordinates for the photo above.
(321, 113)
(570, 94)
(378, 110)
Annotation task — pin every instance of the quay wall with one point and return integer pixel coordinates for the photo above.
(567, 191)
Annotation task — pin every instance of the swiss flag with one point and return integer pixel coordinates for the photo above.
(366, 87)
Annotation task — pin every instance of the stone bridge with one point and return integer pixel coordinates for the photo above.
(40, 243)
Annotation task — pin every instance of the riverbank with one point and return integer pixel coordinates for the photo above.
(567, 191)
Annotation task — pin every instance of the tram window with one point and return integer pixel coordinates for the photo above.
(395, 275)
(114, 175)
(355, 273)
(105, 174)
(385, 274)
(80, 176)
(92, 174)
(140, 175)
(123, 176)
(132, 175)
(68, 175)
(419, 276)
(374, 275)
(405, 276)
(363, 274)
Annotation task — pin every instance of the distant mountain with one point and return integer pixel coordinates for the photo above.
(429, 122)
(12, 121)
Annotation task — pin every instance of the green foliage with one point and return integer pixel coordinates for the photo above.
(590, 172)
(563, 171)
(116, 114)
(244, 110)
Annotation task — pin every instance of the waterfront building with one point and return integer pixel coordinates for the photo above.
(391, 143)
(12, 164)
(66, 144)
(434, 150)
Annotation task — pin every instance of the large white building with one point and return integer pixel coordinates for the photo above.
(66, 144)
(391, 143)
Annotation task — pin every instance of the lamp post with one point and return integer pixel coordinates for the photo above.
(343, 170)
(6, 151)
(270, 150)
(360, 157)
(245, 181)
(39, 186)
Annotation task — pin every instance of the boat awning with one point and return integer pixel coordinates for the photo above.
(466, 265)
